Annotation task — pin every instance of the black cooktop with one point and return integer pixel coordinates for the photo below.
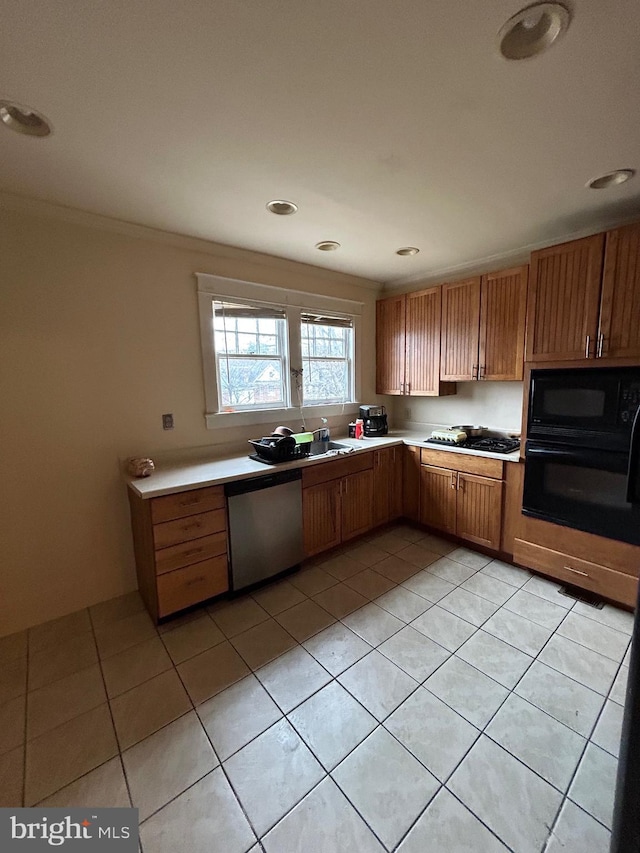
(493, 445)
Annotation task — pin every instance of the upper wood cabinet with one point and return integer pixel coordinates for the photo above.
(483, 325)
(619, 329)
(584, 299)
(408, 345)
(564, 294)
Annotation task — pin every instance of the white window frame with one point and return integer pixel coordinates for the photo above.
(211, 288)
(348, 359)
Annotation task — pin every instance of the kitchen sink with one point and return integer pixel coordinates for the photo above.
(319, 448)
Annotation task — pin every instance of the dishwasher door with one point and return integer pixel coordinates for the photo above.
(265, 526)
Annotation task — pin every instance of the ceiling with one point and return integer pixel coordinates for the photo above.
(389, 124)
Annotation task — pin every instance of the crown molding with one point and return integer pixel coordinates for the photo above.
(85, 218)
(513, 257)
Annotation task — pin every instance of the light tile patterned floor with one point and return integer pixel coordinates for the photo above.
(401, 694)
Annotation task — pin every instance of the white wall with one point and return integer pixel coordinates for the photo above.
(497, 405)
(98, 337)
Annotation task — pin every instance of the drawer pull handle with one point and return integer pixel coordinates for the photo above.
(195, 525)
(195, 580)
(190, 502)
(193, 552)
(577, 572)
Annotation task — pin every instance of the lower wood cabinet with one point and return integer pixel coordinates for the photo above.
(464, 498)
(387, 485)
(336, 502)
(180, 544)
(411, 483)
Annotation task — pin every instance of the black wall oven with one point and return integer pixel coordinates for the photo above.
(582, 454)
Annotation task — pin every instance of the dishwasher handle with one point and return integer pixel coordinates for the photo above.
(256, 484)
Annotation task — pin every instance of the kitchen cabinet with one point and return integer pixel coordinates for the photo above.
(483, 327)
(512, 505)
(336, 502)
(408, 345)
(411, 483)
(180, 544)
(619, 327)
(387, 485)
(462, 496)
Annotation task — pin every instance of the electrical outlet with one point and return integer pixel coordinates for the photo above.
(167, 421)
(407, 414)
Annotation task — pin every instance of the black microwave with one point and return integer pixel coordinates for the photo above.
(587, 406)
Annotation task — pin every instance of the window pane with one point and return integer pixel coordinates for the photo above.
(326, 361)
(250, 382)
(325, 381)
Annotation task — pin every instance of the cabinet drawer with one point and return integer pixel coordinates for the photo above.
(194, 551)
(186, 503)
(325, 471)
(192, 527)
(583, 573)
(463, 462)
(184, 587)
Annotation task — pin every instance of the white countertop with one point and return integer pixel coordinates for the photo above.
(199, 468)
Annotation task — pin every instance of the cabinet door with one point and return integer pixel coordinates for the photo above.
(503, 311)
(390, 345)
(563, 303)
(382, 475)
(460, 327)
(619, 332)
(396, 482)
(479, 510)
(423, 342)
(438, 498)
(411, 483)
(321, 517)
(357, 510)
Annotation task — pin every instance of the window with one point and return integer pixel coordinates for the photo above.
(250, 356)
(326, 359)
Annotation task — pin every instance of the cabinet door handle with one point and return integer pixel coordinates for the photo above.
(408, 387)
(481, 370)
(577, 571)
(195, 525)
(453, 479)
(458, 482)
(475, 371)
(600, 345)
(195, 580)
(190, 501)
(192, 552)
(587, 347)
(346, 487)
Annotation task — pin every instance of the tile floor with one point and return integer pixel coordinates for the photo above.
(401, 694)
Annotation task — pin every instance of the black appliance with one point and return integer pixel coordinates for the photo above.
(492, 445)
(374, 420)
(581, 454)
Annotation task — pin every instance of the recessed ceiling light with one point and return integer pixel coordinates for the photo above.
(328, 246)
(533, 30)
(407, 250)
(24, 119)
(281, 207)
(611, 179)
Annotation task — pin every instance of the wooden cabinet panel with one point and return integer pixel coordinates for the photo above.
(564, 295)
(503, 312)
(460, 328)
(191, 527)
(387, 485)
(357, 509)
(512, 505)
(390, 345)
(482, 465)
(411, 483)
(619, 332)
(184, 587)
(335, 469)
(438, 498)
(583, 573)
(479, 510)
(321, 517)
(182, 504)
(422, 360)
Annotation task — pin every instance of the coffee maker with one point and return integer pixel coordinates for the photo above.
(375, 420)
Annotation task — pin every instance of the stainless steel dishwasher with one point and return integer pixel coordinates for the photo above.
(265, 526)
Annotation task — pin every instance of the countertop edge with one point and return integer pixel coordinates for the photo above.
(182, 477)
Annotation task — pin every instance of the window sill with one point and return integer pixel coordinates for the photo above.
(220, 420)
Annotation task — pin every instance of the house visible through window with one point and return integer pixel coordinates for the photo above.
(326, 359)
(250, 347)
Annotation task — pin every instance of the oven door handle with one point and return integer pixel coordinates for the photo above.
(633, 474)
